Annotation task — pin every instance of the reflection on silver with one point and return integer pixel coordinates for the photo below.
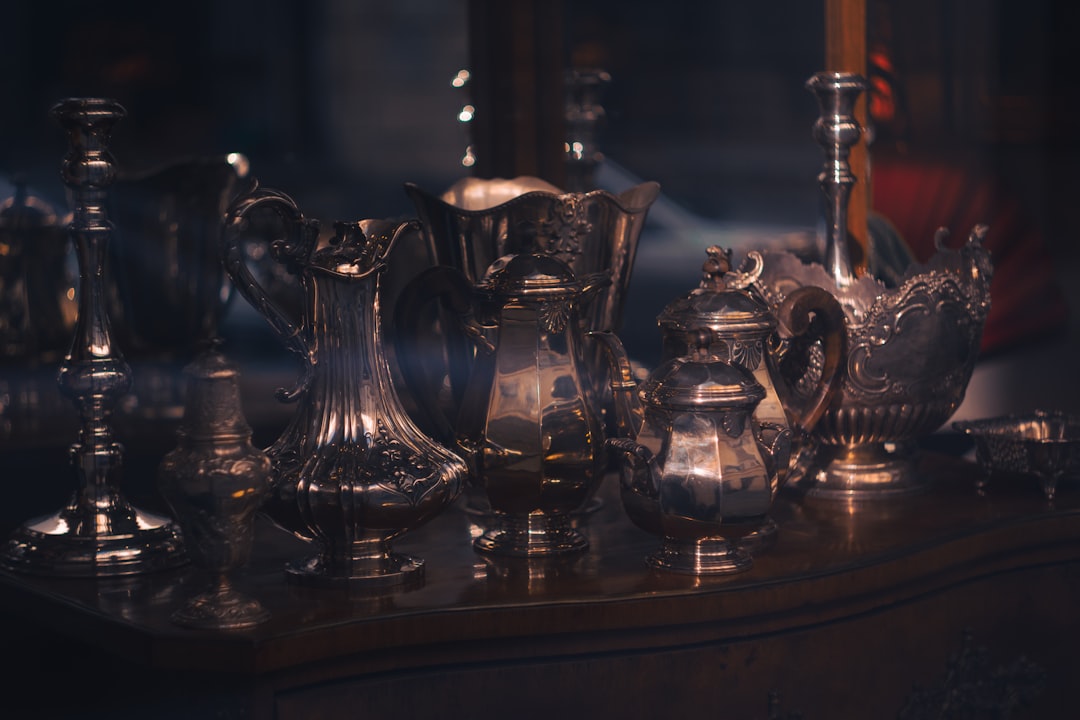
(1044, 444)
(528, 424)
(99, 533)
(351, 471)
(695, 471)
(910, 350)
(477, 221)
(214, 481)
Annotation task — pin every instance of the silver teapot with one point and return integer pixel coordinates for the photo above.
(528, 423)
(696, 471)
(795, 351)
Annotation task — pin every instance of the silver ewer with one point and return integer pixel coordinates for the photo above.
(215, 480)
(99, 533)
(351, 471)
(911, 346)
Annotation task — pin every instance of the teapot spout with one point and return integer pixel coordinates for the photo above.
(629, 412)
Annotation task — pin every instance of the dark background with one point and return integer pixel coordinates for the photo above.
(339, 102)
(705, 98)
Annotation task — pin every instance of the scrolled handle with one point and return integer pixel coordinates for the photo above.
(301, 237)
(795, 316)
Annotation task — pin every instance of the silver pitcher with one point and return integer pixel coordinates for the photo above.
(477, 221)
(528, 424)
(170, 290)
(351, 471)
(37, 314)
(696, 472)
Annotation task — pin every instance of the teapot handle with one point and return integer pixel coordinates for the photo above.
(301, 238)
(449, 286)
(795, 315)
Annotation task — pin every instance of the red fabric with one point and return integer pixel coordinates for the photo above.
(918, 197)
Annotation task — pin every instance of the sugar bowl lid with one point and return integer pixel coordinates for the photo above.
(701, 380)
(720, 301)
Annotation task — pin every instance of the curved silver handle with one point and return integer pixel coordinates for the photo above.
(301, 237)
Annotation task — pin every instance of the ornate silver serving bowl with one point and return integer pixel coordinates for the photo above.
(911, 344)
(911, 350)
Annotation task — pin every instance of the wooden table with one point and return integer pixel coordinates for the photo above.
(850, 614)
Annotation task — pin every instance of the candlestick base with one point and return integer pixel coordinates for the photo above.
(63, 544)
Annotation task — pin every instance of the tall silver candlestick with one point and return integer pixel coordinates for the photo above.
(836, 131)
(98, 533)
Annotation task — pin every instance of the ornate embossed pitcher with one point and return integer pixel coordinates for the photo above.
(476, 221)
(351, 471)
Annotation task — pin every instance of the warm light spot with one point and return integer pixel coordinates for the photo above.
(70, 293)
(466, 113)
(239, 162)
(460, 79)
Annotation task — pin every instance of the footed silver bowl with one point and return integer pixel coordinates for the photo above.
(1043, 444)
(911, 350)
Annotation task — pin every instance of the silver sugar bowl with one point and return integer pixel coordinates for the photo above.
(214, 481)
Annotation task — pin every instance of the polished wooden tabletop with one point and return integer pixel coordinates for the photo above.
(830, 561)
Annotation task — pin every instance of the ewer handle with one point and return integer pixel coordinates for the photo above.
(301, 237)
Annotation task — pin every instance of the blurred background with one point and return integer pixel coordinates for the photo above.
(340, 102)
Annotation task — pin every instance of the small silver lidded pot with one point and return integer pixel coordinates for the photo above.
(695, 472)
(215, 480)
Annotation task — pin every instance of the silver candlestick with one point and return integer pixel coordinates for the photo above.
(837, 130)
(98, 533)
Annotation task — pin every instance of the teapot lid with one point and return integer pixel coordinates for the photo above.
(533, 274)
(720, 301)
(701, 380)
